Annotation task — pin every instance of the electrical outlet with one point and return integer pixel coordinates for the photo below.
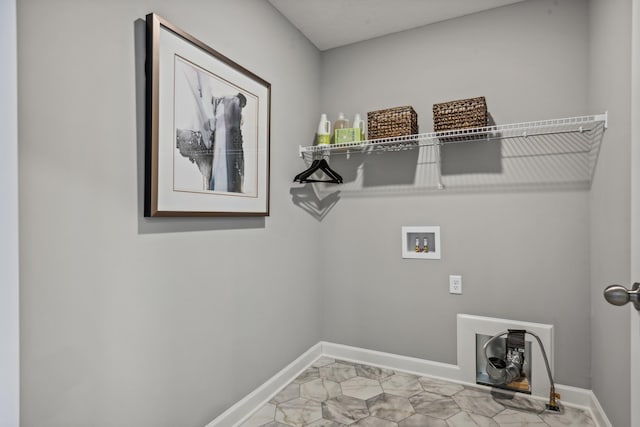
(455, 284)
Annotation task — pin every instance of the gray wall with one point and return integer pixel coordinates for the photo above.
(523, 255)
(609, 89)
(9, 329)
(113, 333)
(159, 322)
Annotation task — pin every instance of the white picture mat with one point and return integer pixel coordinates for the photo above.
(169, 200)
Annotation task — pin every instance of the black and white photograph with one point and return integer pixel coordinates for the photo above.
(214, 150)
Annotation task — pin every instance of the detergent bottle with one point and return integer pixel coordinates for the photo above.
(358, 123)
(340, 123)
(324, 131)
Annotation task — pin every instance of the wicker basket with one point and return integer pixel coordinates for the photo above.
(460, 114)
(392, 122)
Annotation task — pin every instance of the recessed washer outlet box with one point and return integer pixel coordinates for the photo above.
(469, 326)
(421, 242)
(498, 348)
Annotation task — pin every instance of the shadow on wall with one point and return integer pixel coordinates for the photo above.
(471, 158)
(466, 156)
(390, 168)
(498, 164)
(175, 224)
(308, 199)
(554, 160)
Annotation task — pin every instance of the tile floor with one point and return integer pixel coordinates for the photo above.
(336, 393)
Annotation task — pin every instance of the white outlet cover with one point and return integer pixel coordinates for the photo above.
(455, 284)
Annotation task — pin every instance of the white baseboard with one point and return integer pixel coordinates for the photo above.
(597, 413)
(241, 411)
(391, 361)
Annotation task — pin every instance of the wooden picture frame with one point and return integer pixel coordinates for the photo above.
(207, 129)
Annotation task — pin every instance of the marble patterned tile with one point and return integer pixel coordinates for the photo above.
(298, 412)
(444, 388)
(401, 385)
(320, 389)
(335, 393)
(390, 407)
(372, 372)
(344, 409)
(567, 417)
(482, 421)
(361, 388)
(308, 375)
(325, 423)
(421, 399)
(519, 402)
(322, 361)
(443, 407)
(477, 403)
(289, 392)
(523, 424)
(338, 372)
(346, 362)
(465, 419)
(262, 416)
(374, 422)
(420, 420)
(406, 374)
(510, 417)
(474, 391)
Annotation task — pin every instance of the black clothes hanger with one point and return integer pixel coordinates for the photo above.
(327, 169)
(316, 165)
(323, 166)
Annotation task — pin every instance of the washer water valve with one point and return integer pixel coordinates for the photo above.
(509, 369)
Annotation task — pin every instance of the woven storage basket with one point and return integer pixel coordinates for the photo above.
(392, 122)
(460, 114)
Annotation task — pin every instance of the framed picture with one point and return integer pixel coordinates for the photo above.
(208, 119)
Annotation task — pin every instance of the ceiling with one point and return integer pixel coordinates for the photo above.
(334, 23)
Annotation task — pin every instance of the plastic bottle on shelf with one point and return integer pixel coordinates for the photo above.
(341, 122)
(358, 123)
(324, 131)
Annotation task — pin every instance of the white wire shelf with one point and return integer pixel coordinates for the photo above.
(583, 125)
(557, 152)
